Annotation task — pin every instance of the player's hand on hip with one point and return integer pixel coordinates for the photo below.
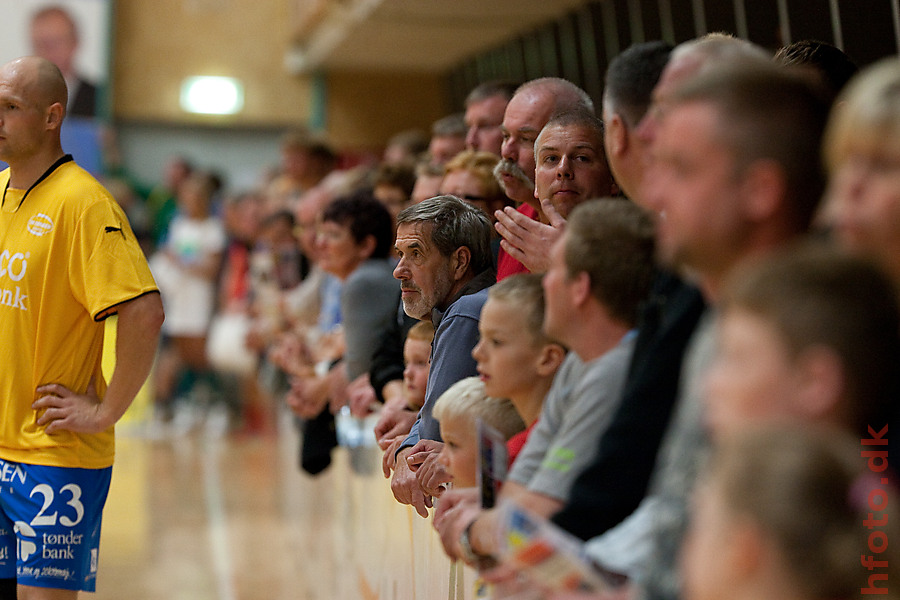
(61, 409)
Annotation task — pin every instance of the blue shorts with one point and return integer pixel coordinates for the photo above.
(50, 524)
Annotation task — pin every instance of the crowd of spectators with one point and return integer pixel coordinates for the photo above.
(683, 317)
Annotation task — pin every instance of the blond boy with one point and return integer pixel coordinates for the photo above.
(458, 411)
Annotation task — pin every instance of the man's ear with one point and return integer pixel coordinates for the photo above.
(549, 360)
(764, 186)
(460, 261)
(616, 134)
(55, 114)
(580, 288)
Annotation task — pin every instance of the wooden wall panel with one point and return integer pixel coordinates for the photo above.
(365, 109)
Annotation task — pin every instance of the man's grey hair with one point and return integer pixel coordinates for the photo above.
(566, 95)
(455, 223)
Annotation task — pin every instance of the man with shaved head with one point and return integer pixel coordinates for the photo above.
(533, 104)
(531, 107)
(68, 260)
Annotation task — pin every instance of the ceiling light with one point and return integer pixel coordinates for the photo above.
(212, 95)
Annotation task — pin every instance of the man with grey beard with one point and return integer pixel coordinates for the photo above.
(444, 271)
(530, 108)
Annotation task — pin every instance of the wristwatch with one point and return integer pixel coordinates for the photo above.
(481, 561)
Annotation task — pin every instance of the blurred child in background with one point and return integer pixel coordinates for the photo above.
(186, 269)
(810, 336)
(785, 513)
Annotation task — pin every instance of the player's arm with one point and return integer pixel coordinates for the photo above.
(137, 336)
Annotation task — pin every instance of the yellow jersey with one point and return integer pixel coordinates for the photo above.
(67, 257)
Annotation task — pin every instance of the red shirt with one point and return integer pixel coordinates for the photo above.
(506, 264)
(515, 444)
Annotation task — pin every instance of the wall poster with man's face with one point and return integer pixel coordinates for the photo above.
(74, 35)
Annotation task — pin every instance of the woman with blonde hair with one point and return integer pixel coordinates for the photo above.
(862, 152)
(470, 176)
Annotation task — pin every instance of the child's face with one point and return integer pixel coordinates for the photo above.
(244, 218)
(279, 234)
(460, 452)
(193, 199)
(752, 377)
(416, 354)
(864, 203)
(507, 353)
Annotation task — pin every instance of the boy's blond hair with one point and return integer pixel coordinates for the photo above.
(525, 292)
(422, 331)
(466, 399)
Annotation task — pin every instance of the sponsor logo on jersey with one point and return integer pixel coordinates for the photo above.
(40, 224)
(13, 267)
